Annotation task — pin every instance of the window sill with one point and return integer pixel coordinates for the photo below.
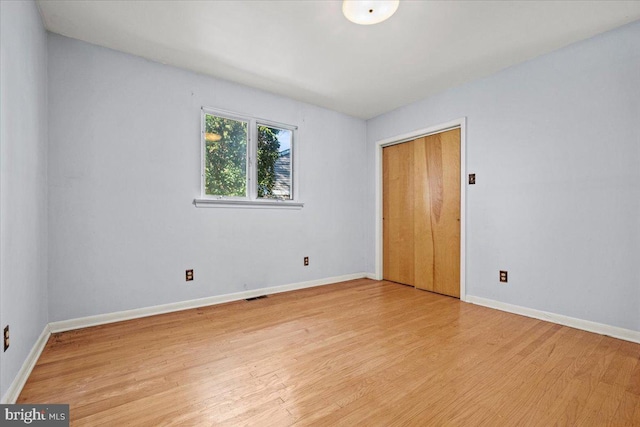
(250, 204)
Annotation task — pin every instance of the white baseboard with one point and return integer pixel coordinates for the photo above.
(19, 381)
(101, 319)
(371, 276)
(66, 325)
(585, 325)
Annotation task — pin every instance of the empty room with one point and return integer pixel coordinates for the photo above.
(324, 213)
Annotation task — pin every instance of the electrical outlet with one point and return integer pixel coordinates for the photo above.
(189, 275)
(306, 260)
(6, 337)
(472, 178)
(503, 276)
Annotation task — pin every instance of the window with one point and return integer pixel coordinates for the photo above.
(274, 162)
(225, 156)
(231, 176)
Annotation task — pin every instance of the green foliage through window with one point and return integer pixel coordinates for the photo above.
(268, 145)
(227, 172)
(274, 162)
(225, 156)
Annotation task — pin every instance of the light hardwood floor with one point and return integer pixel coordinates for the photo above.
(355, 353)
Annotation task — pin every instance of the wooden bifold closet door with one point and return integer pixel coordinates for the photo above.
(421, 213)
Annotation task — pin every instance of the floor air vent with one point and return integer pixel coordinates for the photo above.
(255, 298)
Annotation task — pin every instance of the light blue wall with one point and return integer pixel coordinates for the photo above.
(555, 146)
(124, 168)
(23, 182)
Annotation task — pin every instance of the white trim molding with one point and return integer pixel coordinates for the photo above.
(573, 322)
(20, 380)
(101, 319)
(251, 204)
(458, 123)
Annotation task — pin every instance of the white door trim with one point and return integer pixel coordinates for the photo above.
(458, 123)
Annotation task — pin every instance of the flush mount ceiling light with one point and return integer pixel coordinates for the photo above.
(367, 12)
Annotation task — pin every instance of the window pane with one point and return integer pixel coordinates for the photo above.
(274, 162)
(225, 170)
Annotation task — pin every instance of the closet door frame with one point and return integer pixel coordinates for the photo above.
(398, 139)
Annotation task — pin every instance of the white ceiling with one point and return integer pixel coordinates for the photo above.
(307, 50)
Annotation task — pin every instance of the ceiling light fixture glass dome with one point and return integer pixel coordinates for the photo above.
(368, 12)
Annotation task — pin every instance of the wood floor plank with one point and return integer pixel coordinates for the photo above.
(355, 353)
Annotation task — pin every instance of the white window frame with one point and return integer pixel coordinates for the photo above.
(251, 199)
